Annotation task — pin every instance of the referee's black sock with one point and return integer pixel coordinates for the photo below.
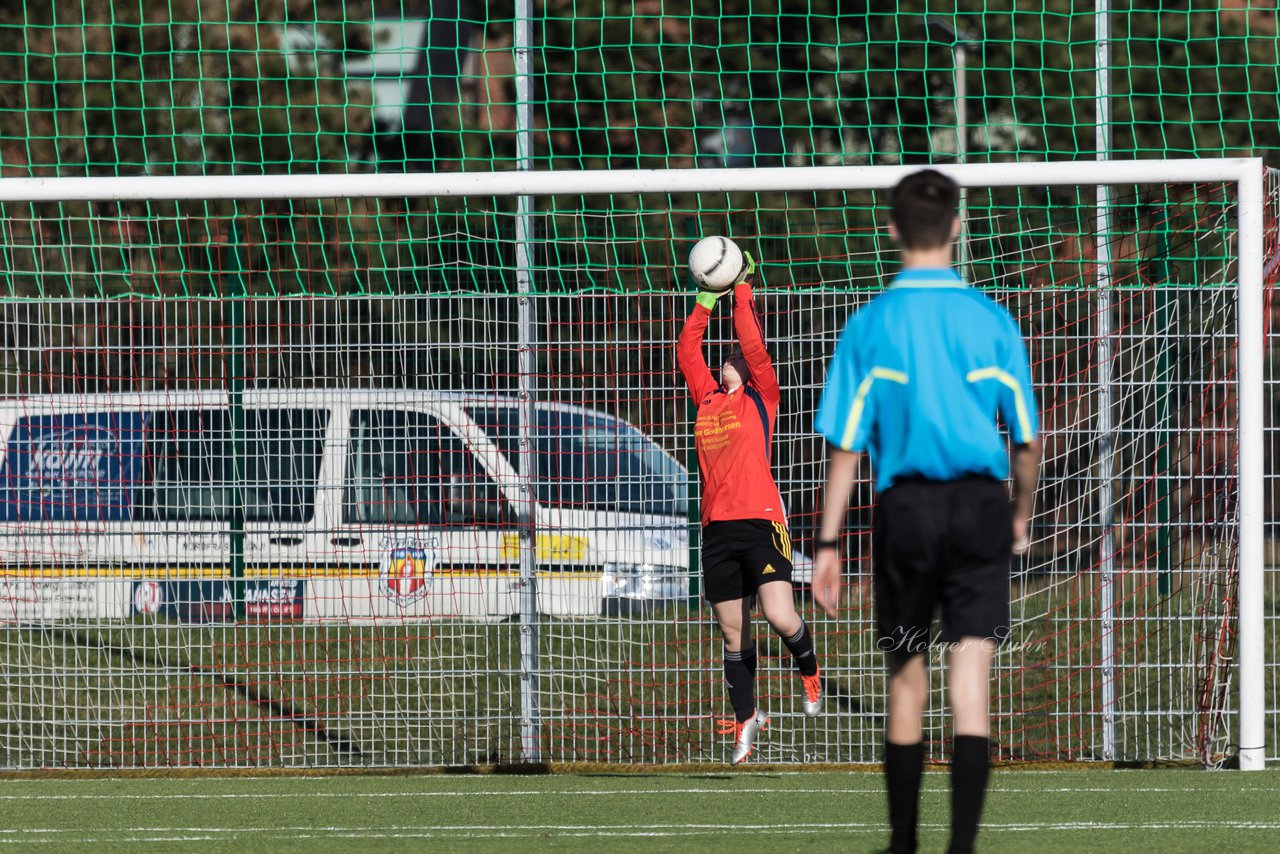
(801, 646)
(740, 676)
(970, 766)
(903, 769)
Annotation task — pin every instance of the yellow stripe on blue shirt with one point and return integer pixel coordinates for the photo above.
(860, 400)
(1025, 431)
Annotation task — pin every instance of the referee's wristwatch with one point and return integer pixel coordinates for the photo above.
(819, 544)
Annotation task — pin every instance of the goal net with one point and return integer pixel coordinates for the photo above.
(409, 480)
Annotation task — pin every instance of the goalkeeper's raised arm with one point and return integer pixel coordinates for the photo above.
(693, 365)
(746, 323)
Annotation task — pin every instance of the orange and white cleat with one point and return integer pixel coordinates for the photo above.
(744, 734)
(812, 701)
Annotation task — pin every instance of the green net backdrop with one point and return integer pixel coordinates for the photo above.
(181, 87)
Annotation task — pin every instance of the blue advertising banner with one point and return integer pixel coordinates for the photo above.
(211, 600)
(274, 598)
(185, 600)
(74, 467)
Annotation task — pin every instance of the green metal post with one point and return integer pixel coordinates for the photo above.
(234, 300)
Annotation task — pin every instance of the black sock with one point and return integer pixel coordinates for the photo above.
(740, 676)
(903, 769)
(970, 765)
(801, 646)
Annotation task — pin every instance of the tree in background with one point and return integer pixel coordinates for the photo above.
(245, 86)
(177, 87)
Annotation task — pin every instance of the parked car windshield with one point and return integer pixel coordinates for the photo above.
(592, 462)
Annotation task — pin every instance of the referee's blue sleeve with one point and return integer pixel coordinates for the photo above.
(1017, 397)
(842, 416)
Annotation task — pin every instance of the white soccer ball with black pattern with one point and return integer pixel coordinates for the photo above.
(715, 263)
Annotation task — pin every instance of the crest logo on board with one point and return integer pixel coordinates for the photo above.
(148, 597)
(408, 567)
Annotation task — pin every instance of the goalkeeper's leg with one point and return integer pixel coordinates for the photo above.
(777, 600)
(970, 668)
(734, 619)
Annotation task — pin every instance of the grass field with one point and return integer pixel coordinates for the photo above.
(1092, 810)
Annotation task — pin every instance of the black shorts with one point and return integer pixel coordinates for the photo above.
(740, 555)
(941, 543)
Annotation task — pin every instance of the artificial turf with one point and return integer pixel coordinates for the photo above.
(1084, 810)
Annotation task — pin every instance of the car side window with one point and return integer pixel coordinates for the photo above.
(407, 468)
(189, 465)
(282, 465)
(590, 461)
(188, 476)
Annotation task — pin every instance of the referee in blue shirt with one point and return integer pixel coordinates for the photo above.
(923, 379)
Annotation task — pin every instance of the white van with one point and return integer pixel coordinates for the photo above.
(357, 506)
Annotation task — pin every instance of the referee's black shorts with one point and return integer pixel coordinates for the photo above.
(739, 555)
(941, 543)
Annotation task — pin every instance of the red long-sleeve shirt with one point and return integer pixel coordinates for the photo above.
(733, 430)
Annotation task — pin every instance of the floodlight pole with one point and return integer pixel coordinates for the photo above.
(938, 28)
(962, 132)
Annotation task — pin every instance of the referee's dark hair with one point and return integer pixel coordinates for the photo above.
(923, 209)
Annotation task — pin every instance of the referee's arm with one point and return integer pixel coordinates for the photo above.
(1026, 472)
(1018, 410)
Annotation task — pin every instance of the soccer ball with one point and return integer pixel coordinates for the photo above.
(716, 263)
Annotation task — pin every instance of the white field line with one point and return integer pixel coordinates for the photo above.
(542, 793)
(106, 777)
(171, 834)
(941, 778)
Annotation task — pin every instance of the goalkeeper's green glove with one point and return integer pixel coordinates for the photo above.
(707, 299)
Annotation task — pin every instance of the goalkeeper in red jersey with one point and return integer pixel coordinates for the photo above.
(746, 548)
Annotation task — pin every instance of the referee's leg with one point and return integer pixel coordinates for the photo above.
(908, 690)
(975, 616)
(969, 686)
(904, 749)
(905, 542)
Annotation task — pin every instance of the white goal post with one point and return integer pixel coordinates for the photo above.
(1247, 175)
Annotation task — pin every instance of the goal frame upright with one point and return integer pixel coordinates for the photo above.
(1247, 174)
